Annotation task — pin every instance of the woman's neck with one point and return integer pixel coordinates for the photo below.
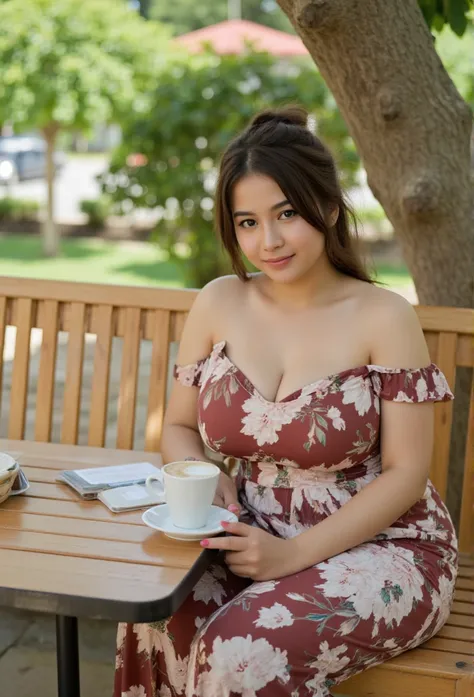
(318, 287)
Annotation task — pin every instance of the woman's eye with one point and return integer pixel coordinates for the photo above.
(286, 215)
(247, 223)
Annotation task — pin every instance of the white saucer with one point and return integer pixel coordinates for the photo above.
(158, 518)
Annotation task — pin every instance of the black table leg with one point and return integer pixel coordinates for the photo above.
(67, 649)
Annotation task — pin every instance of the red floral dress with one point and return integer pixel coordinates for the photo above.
(301, 459)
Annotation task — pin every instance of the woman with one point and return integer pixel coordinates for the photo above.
(319, 384)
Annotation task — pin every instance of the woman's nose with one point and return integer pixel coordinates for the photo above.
(271, 238)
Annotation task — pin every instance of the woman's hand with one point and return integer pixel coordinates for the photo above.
(226, 494)
(254, 553)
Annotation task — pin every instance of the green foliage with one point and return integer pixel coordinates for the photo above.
(457, 55)
(18, 209)
(454, 13)
(73, 63)
(97, 210)
(196, 108)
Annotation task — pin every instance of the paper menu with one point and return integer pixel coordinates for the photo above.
(118, 474)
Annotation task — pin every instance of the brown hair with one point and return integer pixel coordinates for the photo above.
(278, 144)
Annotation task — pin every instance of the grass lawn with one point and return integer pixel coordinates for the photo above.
(100, 261)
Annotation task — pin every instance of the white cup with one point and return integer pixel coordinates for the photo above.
(190, 487)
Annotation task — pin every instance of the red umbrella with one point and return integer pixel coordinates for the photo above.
(231, 37)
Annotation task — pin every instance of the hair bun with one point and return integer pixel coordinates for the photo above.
(290, 115)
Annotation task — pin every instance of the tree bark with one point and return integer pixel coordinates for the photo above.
(50, 234)
(411, 127)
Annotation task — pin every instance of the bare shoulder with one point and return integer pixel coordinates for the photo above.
(212, 305)
(394, 330)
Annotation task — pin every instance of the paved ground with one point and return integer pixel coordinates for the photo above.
(28, 657)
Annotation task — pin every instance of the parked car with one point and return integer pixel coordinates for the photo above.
(24, 157)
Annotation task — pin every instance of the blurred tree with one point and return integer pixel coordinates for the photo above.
(410, 125)
(70, 64)
(189, 15)
(198, 105)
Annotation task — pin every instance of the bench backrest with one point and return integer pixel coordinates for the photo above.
(91, 363)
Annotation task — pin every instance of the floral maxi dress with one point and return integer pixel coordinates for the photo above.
(300, 460)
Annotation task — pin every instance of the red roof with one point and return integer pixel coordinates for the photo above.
(231, 36)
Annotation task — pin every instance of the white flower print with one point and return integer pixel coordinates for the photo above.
(262, 501)
(135, 691)
(144, 635)
(335, 415)
(208, 588)
(330, 660)
(379, 581)
(199, 621)
(421, 389)
(164, 691)
(274, 617)
(429, 526)
(403, 397)
(357, 391)
(243, 666)
(121, 634)
(441, 385)
(186, 374)
(390, 644)
(260, 587)
(265, 419)
(296, 596)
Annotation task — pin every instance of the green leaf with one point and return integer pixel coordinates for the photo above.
(428, 8)
(457, 15)
(321, 436)
(438, 22)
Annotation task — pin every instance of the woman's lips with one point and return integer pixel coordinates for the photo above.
(281, 261)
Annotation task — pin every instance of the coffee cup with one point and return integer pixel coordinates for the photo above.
(190, 487)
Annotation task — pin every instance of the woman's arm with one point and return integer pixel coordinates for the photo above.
(406, 446)
(181, 438)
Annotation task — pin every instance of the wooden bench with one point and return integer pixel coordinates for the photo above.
(95, 317)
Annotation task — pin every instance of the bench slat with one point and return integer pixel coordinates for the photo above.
(48, 318)
(128, 380)
(466, 523)
(158, 378)
(74, 368)
(20, 375)
(103, 322)
(446, 361)
(3, 327)
(461, 620)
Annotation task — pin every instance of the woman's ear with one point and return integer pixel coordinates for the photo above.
(333, 214)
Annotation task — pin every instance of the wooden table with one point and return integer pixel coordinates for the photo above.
(74, 558)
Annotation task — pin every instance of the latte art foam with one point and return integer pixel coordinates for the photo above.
(196, 470)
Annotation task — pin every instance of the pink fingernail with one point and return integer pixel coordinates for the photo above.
(224, 523)
(204, 543)
(233, 508)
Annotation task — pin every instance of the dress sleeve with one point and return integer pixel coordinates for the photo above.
(413, 386)
(190, 375)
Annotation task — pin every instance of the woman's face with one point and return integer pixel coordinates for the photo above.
(271, 234)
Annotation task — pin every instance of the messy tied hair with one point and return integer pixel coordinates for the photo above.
(278, 144)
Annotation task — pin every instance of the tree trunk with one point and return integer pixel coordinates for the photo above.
(411, 128)
(50, 234)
